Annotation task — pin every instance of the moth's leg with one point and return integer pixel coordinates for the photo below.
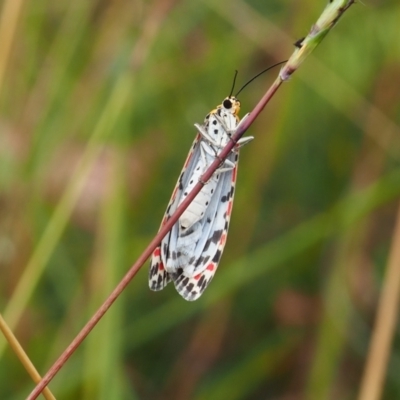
(243, 141)
(205, 134)
(206, 148)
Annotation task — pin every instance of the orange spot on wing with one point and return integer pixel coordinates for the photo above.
(223, 239)
(230, 208)
(210, 267)
(234, 174)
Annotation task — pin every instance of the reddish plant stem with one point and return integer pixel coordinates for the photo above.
(153, 244)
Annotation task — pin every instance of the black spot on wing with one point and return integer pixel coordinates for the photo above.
(160, 280)
(204, 284)
(153, 270)
(201, 280)
(192, 260)
(217, 256)
(185, 281)
(168, 208)
(178, 275)
(190, 296)
(180, 185)
(190, 287)
(165, 248)
(213, 239)
(202, 260)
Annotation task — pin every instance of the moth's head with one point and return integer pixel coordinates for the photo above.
(231, 104)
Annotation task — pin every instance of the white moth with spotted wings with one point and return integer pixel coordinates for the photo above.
(189, 254)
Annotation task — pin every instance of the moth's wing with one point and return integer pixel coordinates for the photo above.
(210, 246)
(158, 276)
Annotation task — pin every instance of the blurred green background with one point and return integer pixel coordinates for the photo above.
(98, 101)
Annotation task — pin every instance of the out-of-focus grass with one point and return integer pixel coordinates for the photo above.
(118, 86)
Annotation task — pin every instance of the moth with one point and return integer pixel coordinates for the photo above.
(190, 253)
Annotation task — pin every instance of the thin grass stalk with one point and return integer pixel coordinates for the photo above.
(328, 19)
(385, 325)
(23, 357)
(10, 14)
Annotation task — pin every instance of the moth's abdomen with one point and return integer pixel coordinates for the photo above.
(198, 206)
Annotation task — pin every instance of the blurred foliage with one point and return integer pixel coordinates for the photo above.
(98, 101)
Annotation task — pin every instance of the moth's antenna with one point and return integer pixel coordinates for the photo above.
(233, 85)
(254, 77)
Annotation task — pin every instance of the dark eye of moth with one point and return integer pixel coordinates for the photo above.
(227, 104)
